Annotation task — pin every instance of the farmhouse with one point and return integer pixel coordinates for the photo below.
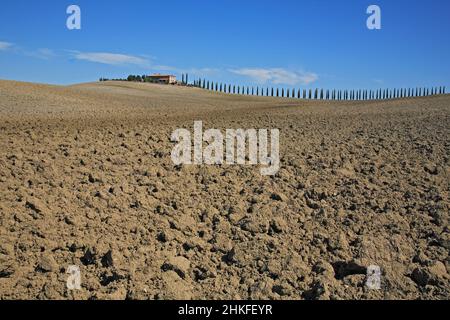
(161, 78)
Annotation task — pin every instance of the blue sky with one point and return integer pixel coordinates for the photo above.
(314, 43)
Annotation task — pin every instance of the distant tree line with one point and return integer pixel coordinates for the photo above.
(131, 78)
(115, 79)
(319, 94)
(145, 78)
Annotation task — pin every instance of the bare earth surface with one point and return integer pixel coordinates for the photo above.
(86, 179)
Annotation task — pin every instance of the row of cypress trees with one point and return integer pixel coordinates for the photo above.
(320, 94)
(185, 78)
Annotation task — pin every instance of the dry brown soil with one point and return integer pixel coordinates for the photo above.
(86, 179)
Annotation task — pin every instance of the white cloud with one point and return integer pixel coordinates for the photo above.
(111, 58)
(202, 72)
(43, 53)
(5, 46)
(277, 75)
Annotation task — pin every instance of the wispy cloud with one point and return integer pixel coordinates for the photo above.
(114, 59)
(5, 46)
(43, 53)
(203, 72)
(277, 75)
